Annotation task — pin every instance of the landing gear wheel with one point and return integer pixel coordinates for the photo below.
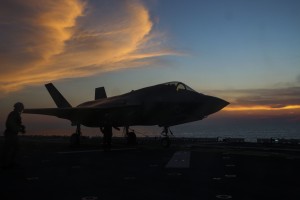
(165, 142)
(75, 140)
(131, 138)
(75, 137)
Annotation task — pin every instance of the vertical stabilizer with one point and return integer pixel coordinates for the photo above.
(58, 98)
(100, 93)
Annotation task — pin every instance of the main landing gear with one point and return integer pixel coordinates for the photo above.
(165, 141)
(131, 136)
(75, 137)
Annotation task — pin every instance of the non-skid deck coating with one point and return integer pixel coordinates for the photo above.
(180, 159)
(145, 172)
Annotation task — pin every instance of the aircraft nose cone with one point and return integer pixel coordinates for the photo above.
(215, 104)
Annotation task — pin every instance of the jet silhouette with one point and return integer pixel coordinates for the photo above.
(165, 105)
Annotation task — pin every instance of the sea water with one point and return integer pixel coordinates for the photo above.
(249, 133)
(250, 130)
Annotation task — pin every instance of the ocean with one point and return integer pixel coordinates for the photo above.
(193, 130)
(249, 129)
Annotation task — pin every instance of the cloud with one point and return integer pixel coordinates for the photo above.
(274, 98)
(32, 33)
(262, 99)
(72, 38)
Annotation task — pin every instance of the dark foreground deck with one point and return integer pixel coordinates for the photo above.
(187, 170)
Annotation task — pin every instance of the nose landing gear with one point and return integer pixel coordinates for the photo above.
(165, 141)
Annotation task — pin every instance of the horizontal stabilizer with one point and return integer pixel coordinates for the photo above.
(100, 93)
(58, 98)
(58, 112)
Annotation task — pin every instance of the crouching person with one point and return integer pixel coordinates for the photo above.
(11, 142)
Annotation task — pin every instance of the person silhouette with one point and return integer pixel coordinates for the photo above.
(11, 141)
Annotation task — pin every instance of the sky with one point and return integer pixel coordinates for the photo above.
(246, 52)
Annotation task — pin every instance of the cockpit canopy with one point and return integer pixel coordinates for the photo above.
(179, 86)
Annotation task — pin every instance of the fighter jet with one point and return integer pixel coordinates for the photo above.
(165, 105)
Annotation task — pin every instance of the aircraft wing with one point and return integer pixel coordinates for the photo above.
(81, 114)
(59, 112)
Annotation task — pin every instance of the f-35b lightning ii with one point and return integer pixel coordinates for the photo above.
(165, 105)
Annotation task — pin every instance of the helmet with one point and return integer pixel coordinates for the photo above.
(19, 106)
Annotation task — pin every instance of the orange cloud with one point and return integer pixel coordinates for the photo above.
(261, 100)
(70, 38)
(260, 108)
(33, 32)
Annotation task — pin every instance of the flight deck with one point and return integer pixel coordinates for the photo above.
(188, 169)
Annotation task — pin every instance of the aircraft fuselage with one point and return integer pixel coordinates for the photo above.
(164, 105)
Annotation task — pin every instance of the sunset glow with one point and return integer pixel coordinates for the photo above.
(63, 44)
(245, 52)
(260, 108)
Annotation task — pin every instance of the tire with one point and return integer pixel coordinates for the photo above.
(131, 138)
(75, 140)
(165, 142)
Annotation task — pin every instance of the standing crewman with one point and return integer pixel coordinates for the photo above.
(13, 127)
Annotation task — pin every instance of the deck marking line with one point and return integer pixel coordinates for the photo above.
(89, 151)
(180, 159)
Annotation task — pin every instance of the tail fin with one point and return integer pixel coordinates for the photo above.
(100, 93)
(58, 98)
